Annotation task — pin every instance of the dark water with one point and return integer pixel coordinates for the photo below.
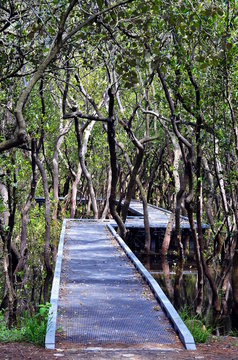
(179, 282)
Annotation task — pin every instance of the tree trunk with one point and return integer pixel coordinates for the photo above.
(169, 228)
(74, 191)
(177, 284)
(198, 260)
(220, 180)
(144, 200)
(4, 215)
(9, 282)
(167, 235)
(57, 145)
(167, 277)
(146, 216)
(7, 221)
(113, 161)
(235, 287)
(24, 214)
(89, 206)
(153, 173)
(209, 203)
(134, 172)
(47, 228)
(199, 202)
(81, 155)
(109, 183)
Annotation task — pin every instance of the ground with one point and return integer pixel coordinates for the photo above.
(222, 348)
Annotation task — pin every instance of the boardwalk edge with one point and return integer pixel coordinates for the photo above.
(51, 325)
(179, 326)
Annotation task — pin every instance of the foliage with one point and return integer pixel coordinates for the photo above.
(31, 329)
(9, 335)
(198, 327)
(34, 328)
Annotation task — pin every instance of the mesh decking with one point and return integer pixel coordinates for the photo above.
(103, 300)
(157, 217)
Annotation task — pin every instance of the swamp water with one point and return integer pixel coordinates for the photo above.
(179, 282)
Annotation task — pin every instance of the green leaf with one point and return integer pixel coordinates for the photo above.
(42, 311)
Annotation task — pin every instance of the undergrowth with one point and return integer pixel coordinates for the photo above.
(30, 329)
(199, 329)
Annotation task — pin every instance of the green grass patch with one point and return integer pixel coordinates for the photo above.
(30, 329)
(199, 329)
(9, 335)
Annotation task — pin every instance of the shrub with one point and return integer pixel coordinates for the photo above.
(200, 331)
(31, 329)
(9, 335)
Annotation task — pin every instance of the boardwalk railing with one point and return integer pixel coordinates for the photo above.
(51, 326)
(179, 326)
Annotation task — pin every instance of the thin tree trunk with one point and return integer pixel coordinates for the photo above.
(47, 228)
(81, 155)
(134, 172)
(24, 214)
(167, 235)
(144, 200)
(220, 180)
(87, 133)
(8, 194)
(210, 181)
(55, 163)
(167, 277)
(4, 215)
(109, 183)
(177, 284)
(235, 286)
(198, 259)
(153, 173)
(9, 283)
(113, 161)
(169, 228)
(201, 242)
(199, 199)
(74, 191)
(146, 216)
(89, 206)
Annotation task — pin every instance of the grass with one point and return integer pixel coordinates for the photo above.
(9, 335)
(199, 329)
(31, 329)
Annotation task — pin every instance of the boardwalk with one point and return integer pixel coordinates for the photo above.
(103, 300)
(158, 217)
(100, 299)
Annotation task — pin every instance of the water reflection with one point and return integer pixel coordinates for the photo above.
(179, 282)
(178, 279)
(167, 277)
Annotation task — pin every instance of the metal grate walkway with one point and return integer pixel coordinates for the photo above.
(103, 300)
(158, 217)
(103, 296)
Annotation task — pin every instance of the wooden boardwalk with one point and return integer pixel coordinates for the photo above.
(102, 296)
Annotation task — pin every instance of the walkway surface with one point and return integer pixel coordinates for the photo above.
(103, 301)
(158, 217)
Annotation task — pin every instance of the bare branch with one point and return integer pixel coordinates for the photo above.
(85, 116)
